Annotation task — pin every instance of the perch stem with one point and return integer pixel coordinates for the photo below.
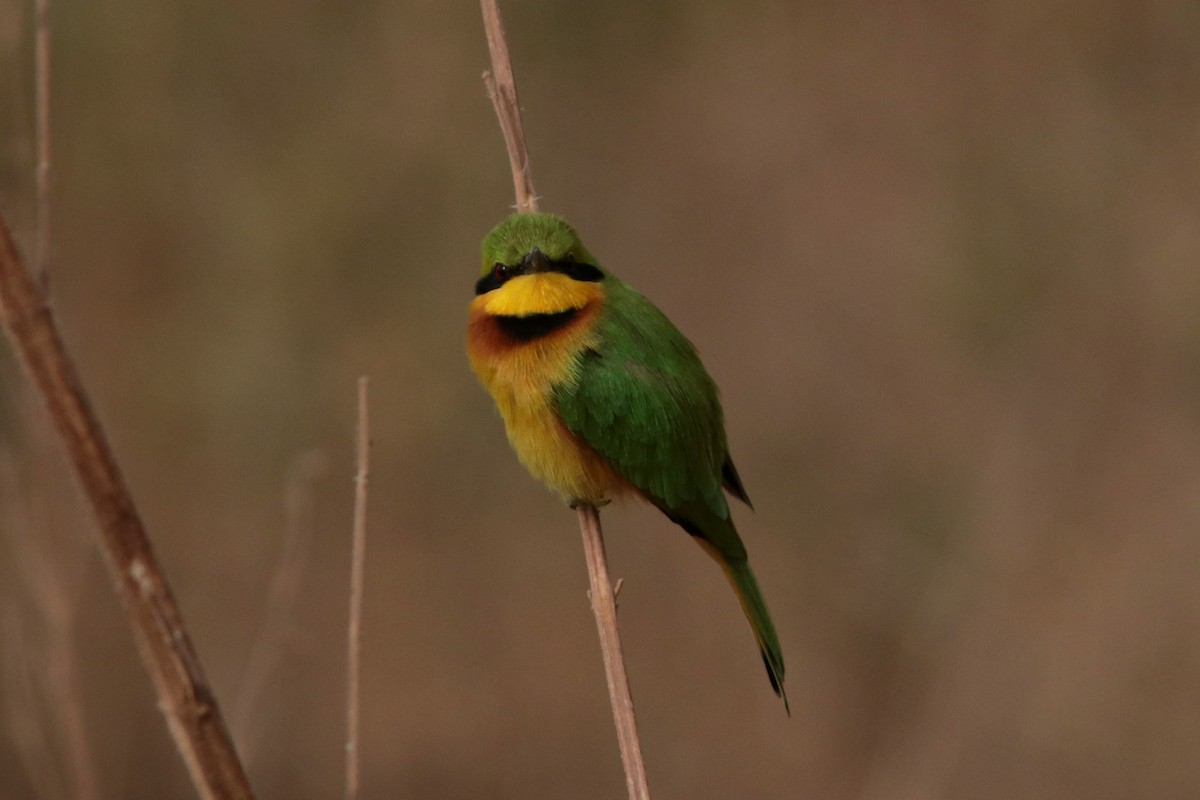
(358, 550)
(184, 696)
(605, 608)
(502, 89)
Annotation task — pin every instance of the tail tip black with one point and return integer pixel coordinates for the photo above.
(775, 675)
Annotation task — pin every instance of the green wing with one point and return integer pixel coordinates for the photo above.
(644, 402)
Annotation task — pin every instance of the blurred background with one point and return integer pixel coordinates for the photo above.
(943, 258)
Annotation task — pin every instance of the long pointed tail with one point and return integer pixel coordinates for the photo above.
(720, 540)
(750, 596)
(755, 607)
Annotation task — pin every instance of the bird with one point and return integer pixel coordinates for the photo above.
(602, 396)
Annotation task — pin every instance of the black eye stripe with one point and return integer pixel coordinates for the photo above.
(576, 270)
(579, 271)
(488, 282)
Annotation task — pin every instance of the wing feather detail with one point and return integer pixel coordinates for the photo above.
(641, 399)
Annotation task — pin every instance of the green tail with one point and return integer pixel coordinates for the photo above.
(719, 538)
(750, 596)
(737, 569)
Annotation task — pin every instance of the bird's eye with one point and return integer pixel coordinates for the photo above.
(502, 271)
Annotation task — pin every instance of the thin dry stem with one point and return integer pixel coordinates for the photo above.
(276, 630)
(51, 573)
(357, 568)
(26, 725)
(42, 133)
(191, 710)
(605, 609)
(52, 580)
(502, 89)
(65, 696)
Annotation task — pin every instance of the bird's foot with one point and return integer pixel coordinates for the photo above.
(576, 502)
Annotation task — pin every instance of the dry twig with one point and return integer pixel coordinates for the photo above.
(49, 563)
(604, 606)
(26, 725)
(502, 88)
(503, 91)
(277, 630)
(184, 696)
(358, 551)
(42, 132)
(51, 575)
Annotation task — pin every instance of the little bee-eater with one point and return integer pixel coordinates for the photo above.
(602, 396)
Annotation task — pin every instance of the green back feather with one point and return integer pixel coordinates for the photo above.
(644, 401)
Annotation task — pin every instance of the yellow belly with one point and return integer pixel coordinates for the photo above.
(552, 454)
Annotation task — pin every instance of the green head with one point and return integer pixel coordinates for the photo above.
(514, 239)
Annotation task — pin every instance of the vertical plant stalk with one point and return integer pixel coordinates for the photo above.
(51, 577)
(269, 652)
(358, 552)
(503, 91)
(184, 696)
(54, 579)
(27, 726)
(604, 606)
(41, 264)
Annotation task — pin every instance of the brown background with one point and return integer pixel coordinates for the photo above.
(941, 257)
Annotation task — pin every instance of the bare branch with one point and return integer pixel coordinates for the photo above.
(52, 576)
(276, 630)
(357, 564)
(502, 89)
(42, 133)
(184, 696)
(26, 726)
(605, 609)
